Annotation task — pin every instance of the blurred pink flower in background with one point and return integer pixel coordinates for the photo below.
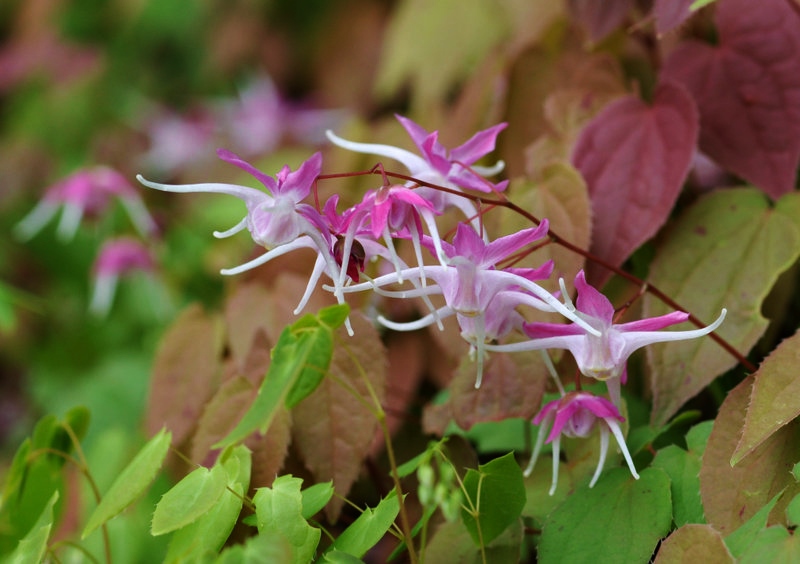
(117, 257)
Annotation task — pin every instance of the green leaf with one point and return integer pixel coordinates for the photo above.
(694, 543)
(280, 510)
(775, 398)
(683, 469)
(740, 539)
(334, 316)
(619, 520)
(775, 545)
(700, 263)
(265, 548)
(339, 557)
(208, 533)
(300, 360)
(31, 548)
(369, 528)
(189, 499)
(131, 482)
(697, 4)
(315, 497)
(496, 494)
(452, 543)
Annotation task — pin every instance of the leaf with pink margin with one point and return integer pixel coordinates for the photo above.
(634, 158)
(732, 495)
(775, 400)
(747, 90)
(727, 250)
(186, 372)
(694, 543)
(670, 14)
(599, 19)
(332, 429)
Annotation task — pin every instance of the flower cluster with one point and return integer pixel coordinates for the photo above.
(486, 298)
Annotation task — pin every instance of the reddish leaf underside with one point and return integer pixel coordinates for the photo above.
(185, 373)
(747, 90)
(634, 158)
(775, 400)
(694, 543)
(731, 495)
(670, 14)
(333, 429)
(599, 18)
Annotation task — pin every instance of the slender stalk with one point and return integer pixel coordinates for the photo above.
(380, 414)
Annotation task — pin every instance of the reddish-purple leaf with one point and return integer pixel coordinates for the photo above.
(186, 373)
(747, 90)
(635, 158)
(670, 14)
(599, 18)
(333, 428)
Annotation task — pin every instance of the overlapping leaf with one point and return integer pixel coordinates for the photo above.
(732, 495)
(694, 543)
(670, 14)
(634, 158)
(775, 400)
(747, 89)
(726, 251)
(333, 428)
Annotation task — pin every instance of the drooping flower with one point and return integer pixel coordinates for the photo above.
(576, 414)
(453, 169)
(85, 193)
(469, 281)
(117, 257)
(278, 220)
(603, 355)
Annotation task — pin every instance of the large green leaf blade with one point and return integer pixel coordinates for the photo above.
(189, 499)
(279, 508)
(369, 528)
(497, 491)
(725, 251)
(132, 481)
(619, 520)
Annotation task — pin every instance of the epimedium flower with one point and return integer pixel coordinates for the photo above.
(470, 280)
(85, 193)
(453, 169)
(576, 414)
(277, 219)
(603, 354)
(117, 257)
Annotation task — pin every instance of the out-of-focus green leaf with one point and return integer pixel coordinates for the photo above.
(619, 520)
(279, 509)
(424, 31)
(697, 4)
(725, 251)
(732, 495)
(369, 528)
(189, 499)
(775, 399)
(694, 543)
(339, 557)
(497, 494)
(132, 481)
(31, 548)
(683, 469)
(265, 548)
